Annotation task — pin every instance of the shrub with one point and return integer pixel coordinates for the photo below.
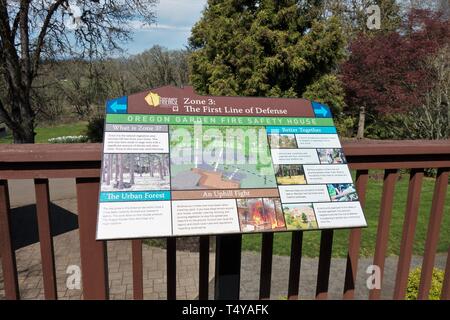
(412, 290)
(95, 128)
(69, 139)
(430, 172)
(345, 125)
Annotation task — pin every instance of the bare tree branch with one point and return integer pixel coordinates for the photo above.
(34, 31)
(5, 116)
(11, 59)
(15, 25)
(44, 29)
(25, 42)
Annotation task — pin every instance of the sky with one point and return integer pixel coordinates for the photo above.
(174, 20)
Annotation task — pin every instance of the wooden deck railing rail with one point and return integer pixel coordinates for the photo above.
(42, 162)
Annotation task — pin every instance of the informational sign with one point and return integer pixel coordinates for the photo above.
(176, 163)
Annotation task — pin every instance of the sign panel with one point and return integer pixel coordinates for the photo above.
(176, 163)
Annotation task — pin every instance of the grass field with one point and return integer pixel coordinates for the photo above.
(45, 133)
(311, 239)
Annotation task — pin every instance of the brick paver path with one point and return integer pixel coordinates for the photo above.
(308, 276)
(67, 253)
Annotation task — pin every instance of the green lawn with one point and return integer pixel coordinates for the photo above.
(45, 133)
(311, 239)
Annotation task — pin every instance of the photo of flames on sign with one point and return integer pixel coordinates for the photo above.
(258, 214)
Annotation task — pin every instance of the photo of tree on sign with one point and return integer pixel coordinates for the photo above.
(300, 216)
(280, 141)
(135, 172)
(289, 174)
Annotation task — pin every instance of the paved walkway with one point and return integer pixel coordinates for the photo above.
(308, 276)
(154, 259)
(67, 253)
(120, 270)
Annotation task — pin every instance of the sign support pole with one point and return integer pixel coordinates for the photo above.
(228, 267)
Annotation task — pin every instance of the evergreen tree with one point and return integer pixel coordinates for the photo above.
(304, 217)
(267, 48)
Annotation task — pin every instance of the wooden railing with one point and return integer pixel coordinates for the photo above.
(82, 162)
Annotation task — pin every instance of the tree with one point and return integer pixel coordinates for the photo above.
(34, 31)
(304, 217)
(328, 90)
(132, 167)
(355, 16)
(109, 165)
(387, 73)
(264, 48)
(431, 120)
(83, 85)
(158, 66)
(120, 164)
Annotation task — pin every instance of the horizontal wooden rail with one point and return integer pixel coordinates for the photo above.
(83, 160)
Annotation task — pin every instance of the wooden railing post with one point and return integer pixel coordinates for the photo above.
(171, 259)
(228, 267)
(7, 252)
(362, 177)
(138, 272)
(45, 238)
(384, 221)
(203, 268)
(445, 294)
(266, 266)
(323, 270)
(295, 264)
(409, 227)
(434, 225)
(94, 261)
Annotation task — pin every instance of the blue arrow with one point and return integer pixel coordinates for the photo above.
(117, 105)
(320, 110)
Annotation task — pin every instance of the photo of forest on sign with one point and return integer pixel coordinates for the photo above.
(135, 172)
(289, 174)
